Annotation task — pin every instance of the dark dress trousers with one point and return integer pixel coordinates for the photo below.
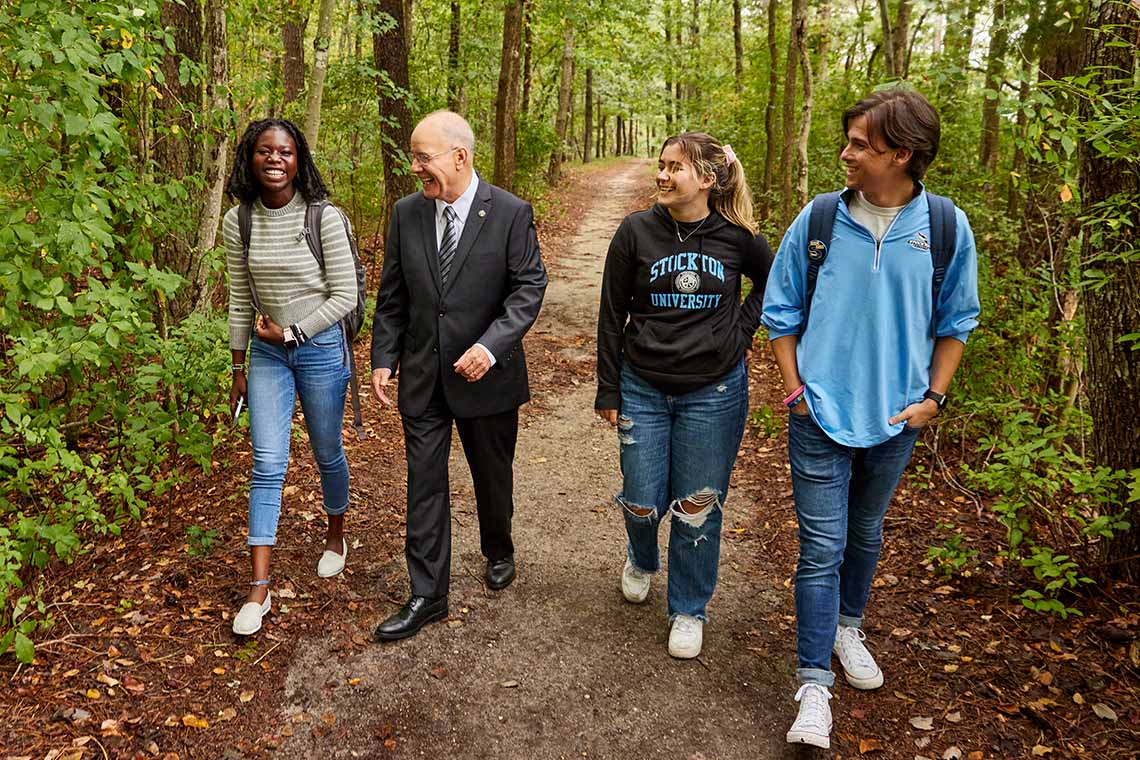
(492, 296)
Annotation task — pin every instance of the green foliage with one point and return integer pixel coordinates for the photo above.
(200, 541)
(764, 422)
(952, 556)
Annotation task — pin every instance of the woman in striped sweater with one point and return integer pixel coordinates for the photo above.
(296, 344)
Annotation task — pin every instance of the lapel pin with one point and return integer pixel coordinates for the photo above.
(482, 213)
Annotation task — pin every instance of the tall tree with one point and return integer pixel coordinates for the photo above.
(770, 137)
(216, 136)
(588, 117)
(390, 55)
(528, 51)
(738, 47)
(507, 98)
(824, 51)
(887, 47)
(800, 34)
(293, 45)
(565, 92)
(788, 170)
(694, 54)
(670, 60)
(1109, 185)
(995, 71)
(453, 58)
(320, 69)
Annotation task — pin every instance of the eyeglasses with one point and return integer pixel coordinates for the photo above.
(424, 159)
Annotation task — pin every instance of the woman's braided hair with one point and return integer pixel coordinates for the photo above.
(243, 186)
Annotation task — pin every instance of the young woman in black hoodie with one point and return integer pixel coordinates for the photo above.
(672, 342)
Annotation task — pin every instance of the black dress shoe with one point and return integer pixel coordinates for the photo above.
(500, 573)
(414, 615)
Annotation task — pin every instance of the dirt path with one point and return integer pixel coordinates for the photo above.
(558, 665)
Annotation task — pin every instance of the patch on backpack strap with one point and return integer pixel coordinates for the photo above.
(817, 249)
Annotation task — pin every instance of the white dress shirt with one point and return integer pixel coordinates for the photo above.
(462, 207)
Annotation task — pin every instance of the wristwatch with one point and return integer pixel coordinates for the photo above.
(290, 339)
(939, 398)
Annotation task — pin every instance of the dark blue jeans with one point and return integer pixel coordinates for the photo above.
(677, 448)
(842, 494)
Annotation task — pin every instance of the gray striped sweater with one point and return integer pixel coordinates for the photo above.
(290, 284)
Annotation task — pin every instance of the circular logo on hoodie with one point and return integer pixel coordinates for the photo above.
(687, 282)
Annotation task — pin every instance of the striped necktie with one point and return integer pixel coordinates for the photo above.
(447, 245)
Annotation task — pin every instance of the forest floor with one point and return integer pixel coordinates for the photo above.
(142, 663)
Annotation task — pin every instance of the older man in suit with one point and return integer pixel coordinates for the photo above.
(462, 283)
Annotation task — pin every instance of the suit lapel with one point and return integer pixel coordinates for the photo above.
(480, 210)
(431, 247)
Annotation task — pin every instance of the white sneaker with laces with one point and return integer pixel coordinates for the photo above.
(813, 723)
(685, 637)
(634, 583)
(331, 563)
(248, 620)
(859, 667)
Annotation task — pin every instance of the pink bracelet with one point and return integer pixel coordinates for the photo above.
(794, 395)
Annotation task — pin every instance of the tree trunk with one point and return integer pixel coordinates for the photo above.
(900, 36)
(694, 53)
(507, 99)
(293, 60)
(1113, 309)
(178, 157)
(805, 119)
(390, 55)
(216, 140)
(770, 139)
(320, 69)
(821, 73)
(738, 47)
(995, 70)
(787, 155)
(528, 48)
(453, 58)
(619, 134)
(588, 117)
(888, 47)
(565, 90)
(670, 72)
(603, 134)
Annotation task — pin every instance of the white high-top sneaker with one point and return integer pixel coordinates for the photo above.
(859, 667)
(813, 723)
(686, 637)
(634, 583)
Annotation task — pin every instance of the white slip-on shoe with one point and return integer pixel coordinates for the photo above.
(685, 637)
(813, 723)
(248, 620)
(859, 667)
(331, 563)
(634, 583)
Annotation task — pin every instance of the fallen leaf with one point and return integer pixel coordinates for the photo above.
(976, 755)
(901, 633)
(245, 696)
(1134, 653)
(286, 593)
(1066, 193)
(1080, 700)
(390, 745)
(1045, 678)
(289, 491)
(190, 720)
(328, 719)
(922, 723)
(109, 727)
(870, 745)
(509, 684)
(438, 672)
(922, 742)
(1104, 711)
(219, 671)
(93, 694)
(1040, 750)
(950, 668)
(954, 717)
(228, 713)
(353, 681)
(945, 590)
(952, 753)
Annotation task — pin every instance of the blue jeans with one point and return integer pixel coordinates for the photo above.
(673, 449)
(318, 372)
(841, 494)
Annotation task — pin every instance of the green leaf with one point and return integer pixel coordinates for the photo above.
(25, 649)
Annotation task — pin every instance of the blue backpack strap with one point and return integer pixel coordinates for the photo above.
(943, 243)
(820, 224)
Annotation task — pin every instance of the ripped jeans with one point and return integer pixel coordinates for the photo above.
(677, 448)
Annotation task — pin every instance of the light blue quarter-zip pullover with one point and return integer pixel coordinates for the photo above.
(866, 352)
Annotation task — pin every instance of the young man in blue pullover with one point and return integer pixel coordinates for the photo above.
(864, 375)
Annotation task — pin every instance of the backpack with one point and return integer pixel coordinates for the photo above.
(351, 322)
(943, 236)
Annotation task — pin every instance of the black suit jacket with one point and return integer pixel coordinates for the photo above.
(493, 295)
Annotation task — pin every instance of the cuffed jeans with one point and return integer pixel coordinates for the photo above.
(841, 494)
(673, 449)
(316, 371)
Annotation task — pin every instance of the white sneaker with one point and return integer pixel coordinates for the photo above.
(332, 563)
(685, 637)
(248, 620)
(859, 666)
(634, 583)
(813, 723)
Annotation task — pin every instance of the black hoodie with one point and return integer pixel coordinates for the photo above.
(672, 309)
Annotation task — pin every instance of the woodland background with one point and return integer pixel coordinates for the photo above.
(118, 122)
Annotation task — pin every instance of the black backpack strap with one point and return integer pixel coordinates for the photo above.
(245, 228)
(943, 243)
(312, 232)
(820, 224)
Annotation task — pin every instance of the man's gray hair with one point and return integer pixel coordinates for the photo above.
(455, 128)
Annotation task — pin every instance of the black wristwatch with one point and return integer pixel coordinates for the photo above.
(939, 398)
